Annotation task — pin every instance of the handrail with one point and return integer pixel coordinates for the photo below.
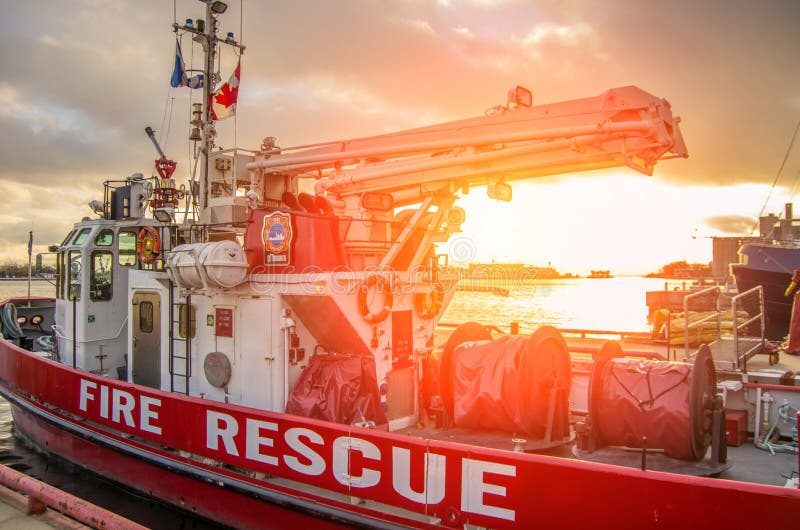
(60, 335)
(736, 326)
(703, 320)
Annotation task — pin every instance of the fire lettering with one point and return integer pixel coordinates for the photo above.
(147, 414)
(120, 406)
(122, 403)
(85, 396)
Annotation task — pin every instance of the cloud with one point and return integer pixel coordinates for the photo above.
(80, 80)
(732, 224)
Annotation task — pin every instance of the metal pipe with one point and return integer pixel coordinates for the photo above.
(63, 502)
(767, 386)
(422, 147)
(447, 162)
(427, 239)
(757, 420)
(766, 399)
(412, 224)
(734, 303)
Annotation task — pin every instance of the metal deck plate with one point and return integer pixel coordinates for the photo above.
(491, 439)
(621, 456)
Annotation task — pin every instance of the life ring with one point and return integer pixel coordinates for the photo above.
(381, 286)
(429, 304)
(148, 245)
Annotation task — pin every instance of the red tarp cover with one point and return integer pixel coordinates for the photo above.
(335, 387)
(486, 384)
(646, 398)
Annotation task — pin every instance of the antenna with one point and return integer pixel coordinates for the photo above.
(205, 32)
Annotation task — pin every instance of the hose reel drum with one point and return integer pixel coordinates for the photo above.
(668, 408)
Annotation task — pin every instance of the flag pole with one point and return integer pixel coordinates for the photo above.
(30, 256)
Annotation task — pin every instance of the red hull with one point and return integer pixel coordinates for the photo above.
(197, 497)
(321, 465)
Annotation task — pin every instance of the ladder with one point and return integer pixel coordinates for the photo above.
(180, 348)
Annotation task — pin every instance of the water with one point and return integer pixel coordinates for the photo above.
(12, 288)
(612, 304)
(616, 304)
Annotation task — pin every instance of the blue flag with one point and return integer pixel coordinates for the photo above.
(179, 77)
(179, 73)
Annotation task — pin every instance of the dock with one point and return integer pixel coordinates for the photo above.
(31, 504)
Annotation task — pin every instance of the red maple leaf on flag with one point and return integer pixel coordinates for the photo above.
(227, 95)
(223, 101)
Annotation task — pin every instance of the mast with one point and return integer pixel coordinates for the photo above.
(205, 32)
(209, 130)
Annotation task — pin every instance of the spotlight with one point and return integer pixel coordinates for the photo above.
(164, 214)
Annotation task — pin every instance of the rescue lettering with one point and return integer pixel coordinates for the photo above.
(480, 492)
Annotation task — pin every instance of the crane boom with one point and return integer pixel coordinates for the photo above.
(622, 126)
(366, 182)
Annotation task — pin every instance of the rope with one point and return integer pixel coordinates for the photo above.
(780, 170)
(649, 402)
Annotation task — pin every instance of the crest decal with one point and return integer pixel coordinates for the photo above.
(277, 237)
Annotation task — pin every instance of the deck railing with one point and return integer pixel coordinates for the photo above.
(740, 357)
(697, 323)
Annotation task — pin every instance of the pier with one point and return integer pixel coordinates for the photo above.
(31, 504)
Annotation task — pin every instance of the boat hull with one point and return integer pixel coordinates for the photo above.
(777, 306)
(341, 474)
(197, 497)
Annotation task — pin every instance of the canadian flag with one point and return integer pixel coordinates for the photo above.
(223, 101)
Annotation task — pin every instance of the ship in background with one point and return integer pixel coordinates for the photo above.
(769, 261)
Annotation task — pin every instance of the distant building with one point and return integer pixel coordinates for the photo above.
(725, 252)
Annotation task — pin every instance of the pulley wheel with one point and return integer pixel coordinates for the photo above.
(701, 395)
(610, 349)
(544, 367)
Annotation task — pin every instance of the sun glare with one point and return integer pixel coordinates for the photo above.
(628, 224)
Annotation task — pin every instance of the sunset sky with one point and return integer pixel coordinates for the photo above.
(80, 80)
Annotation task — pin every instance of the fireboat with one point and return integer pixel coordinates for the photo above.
(267, 335)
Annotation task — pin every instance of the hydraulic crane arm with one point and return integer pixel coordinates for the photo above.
(621, 127)
(367, 181)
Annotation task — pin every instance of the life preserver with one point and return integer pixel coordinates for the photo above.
(148, 245)
(381, 286)
(429, 304)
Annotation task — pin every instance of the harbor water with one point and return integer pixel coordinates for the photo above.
(616, 304)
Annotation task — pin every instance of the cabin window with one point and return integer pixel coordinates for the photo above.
(105, 238)
(66, 239)
(82, 236)
(146, 317)
(127, 249)
(186, 320)
(74, 275)
(100, 279)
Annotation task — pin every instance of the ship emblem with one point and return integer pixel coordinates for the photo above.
(277, 238)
